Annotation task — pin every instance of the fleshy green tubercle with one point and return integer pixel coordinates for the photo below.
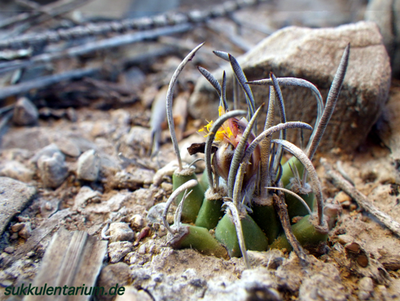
(200, 239)
(194, 201)
(306, 233)
(254, 237)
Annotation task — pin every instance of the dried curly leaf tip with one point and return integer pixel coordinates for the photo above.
(185, 186)
(170, 94)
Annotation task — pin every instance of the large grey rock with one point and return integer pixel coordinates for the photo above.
(14, 196)
(386, 14)
(314, 55)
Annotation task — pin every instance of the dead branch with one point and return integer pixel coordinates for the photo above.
(281, 209)
(46, 11)
(45, 81)
(195, 17)
(95, 46)
(340, 182)
(38, 235)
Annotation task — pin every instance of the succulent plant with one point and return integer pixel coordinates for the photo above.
(251, 196)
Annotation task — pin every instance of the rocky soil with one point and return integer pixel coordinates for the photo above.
(77, 155)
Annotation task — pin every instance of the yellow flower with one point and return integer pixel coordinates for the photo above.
(227, 138)
(227, 132)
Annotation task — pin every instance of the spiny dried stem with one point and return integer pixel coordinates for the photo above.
(170, 95)
(265, 176)
(299, 198)
(237, 189)
(241, 77)
(239, 232)
(315, 183)
(266, 133)
(239, 151)
(270, 131)
(221, 54)
(211, 79)
(189, 184)
(298, 82)
(282, 134)
(331, 101)
(223, 101)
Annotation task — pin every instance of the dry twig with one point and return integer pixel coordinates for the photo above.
(45, 81)
(340, 182)
(283, 214)
(42, 13)
(117, 41)
(165, 20)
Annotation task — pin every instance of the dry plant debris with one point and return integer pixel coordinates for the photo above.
(85, 141)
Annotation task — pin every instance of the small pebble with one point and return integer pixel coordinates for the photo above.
(353, 207)
(109, 166)
(70, 113)
(85, 196)
(133, 259)
(118, 250)
(142, 249)
(152, 248)
(137, 222)
(26, 231)
(68, 147)
(89, 166)
(121, 232)
(345, 239)
(17, 171)
(23, 219)
(342, 197)
(162, 231)
(9, 250)
(365, 287)
(362, 260)
(167, 187)
(17, 227)
(48, 151)
(25, 112)
(353, 247)
(30, 254)
(275, 263)
(155, 213)
(158, 277)
(53, 170)
(6, 282)
(346, 204)
(48, 206)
